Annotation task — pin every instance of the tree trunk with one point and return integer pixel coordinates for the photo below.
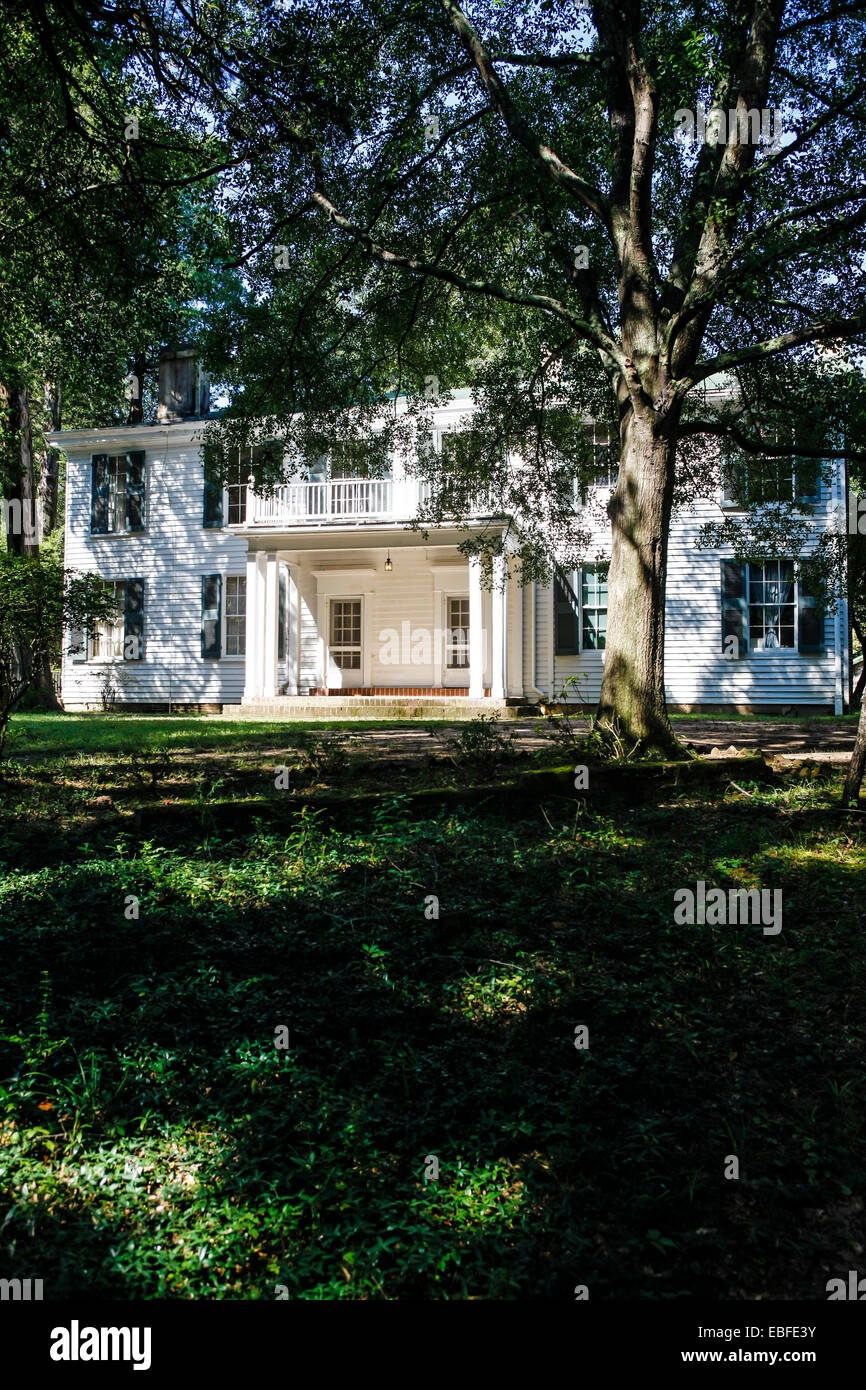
(632, 704)
(50, 474)
(24, 538)
(20, 483)
(857, 765)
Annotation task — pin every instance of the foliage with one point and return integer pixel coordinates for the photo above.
(154, 1143)
(482, 744)
(37, 599)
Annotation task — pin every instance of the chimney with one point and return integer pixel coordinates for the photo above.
(184, 389)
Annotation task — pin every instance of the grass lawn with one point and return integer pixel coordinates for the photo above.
(154, 1141)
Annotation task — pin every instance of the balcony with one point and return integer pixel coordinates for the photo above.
(340, 502)
(327, 504)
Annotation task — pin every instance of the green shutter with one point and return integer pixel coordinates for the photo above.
(211, 615)
(809, 434)
(213, 504)
(810, 626)
(99, 495)
(735, 609)
(133, 621)
(135, 491)
(808, 475)
(565, 613)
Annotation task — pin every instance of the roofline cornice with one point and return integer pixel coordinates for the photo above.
(128, 436)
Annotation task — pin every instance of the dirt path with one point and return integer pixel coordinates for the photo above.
(827, 740)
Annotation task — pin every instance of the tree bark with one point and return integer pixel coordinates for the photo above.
(50, 473)
(857, 765)
(20, 482)
(632, 703)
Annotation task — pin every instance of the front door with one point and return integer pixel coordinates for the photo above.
(344, 648)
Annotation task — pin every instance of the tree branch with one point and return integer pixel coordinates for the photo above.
(546, 159)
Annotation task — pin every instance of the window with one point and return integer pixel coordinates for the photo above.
(768, 607)
(580, 610)
(605, 464)
(106, 640)
(749, 480)
(346, 633)
(458, 634)
(772, 607)
(226, 503)
(236, 488)
(236, 615)
(117, 493)
(121, 637)
(223, 615)
(605, 452)
(593, 607)
(350, 458)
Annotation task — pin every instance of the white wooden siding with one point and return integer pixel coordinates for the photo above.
(170, 555)
(175, 550)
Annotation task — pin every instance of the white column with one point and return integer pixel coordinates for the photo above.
(252, 648)
(269, 633)
(476, 631)
(322, 641)
(514, 644)
(293, 647)
(544, 639)
(498, 624)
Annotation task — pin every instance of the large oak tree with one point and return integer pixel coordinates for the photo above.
(499, 195)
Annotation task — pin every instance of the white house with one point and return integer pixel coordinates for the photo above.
(320, 597)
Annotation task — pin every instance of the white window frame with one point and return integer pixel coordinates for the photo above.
(239, 490)
(448, 664)
(331, 647)
(592, 607)
(774, 652)
(116, 659)
(226, 655)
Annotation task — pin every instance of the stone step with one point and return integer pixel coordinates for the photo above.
(369, 707)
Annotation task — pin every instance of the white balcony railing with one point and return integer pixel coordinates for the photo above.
(344, 500)
(349, 499)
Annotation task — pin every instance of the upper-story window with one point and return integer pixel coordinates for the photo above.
(117, 493)
(752, 481)
(605, 464)
(237, 481)
(225, 504)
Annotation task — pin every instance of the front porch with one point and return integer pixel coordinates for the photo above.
(337, 627)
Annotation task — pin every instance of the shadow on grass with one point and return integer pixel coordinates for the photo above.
(170, 1149)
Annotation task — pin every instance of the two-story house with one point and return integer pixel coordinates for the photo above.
(320, 596)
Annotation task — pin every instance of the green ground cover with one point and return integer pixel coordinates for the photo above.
(155, 1142)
